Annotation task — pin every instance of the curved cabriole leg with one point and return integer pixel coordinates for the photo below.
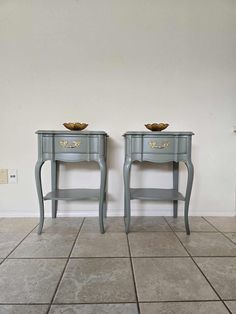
(103, 170)
(105, 204)
(38, 180)
(175, 187)
(188, 193)
(126, 173)
(105, 196)
(54, 186)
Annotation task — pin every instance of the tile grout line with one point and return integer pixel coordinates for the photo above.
(107, 303)
(210, 224)
(132, 269)
(203, 217)
(222, 233)
(71, 257)
(184, 301)
(177, 238)
(119, 257)
(201, 271)
(19, 244)
(63, 271)
(227, 307)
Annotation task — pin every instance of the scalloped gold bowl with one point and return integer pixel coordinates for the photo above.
(75, 126)
(156, 126)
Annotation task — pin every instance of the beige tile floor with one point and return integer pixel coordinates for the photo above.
(157, 268)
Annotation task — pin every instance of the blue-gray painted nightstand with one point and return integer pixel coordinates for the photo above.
(71, 146)
(158, 147)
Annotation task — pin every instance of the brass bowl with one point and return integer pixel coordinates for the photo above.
(156, 126)
(75, 126)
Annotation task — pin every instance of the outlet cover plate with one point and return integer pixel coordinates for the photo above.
(12, 176)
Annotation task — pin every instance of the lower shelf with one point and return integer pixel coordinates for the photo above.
(156, 194)
(73, 194)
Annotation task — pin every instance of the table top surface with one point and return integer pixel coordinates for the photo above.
(62, 132)
(159, 133)
(151, 133)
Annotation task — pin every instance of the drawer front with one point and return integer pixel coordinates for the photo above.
(160, 145)
(76, 144)
(71, 144)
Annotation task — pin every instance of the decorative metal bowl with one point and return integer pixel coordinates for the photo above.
(75, 126)
(156, 126)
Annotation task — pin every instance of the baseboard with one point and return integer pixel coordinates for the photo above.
(116, 213)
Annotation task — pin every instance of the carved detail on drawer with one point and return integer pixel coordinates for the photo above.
(156, 145)
(72, 144)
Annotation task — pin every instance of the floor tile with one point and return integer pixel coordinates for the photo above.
(155, 244)
(221, 272)
(232, 306)
(223, 224)
(29, 281)
(148, 223)
(112, 224)
(183, 308)
(23, 309)
(97, 280)
(170, 279)
(207, 244)
(231, 236)
(8, 241)
(63, 225)
(45, 245)
(95, 308)
(18, 225)
(196, 224)
(101, 245)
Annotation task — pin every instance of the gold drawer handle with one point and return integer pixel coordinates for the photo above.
(154, 144)
(66, 144)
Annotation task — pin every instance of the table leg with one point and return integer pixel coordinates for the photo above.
(38, 180)
(54, 166)
(105, 205)
(103, 169)
(188, 193)
(105, 193)
(175, 187)
(126, 173)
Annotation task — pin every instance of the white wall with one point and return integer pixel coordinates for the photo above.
(118, 64)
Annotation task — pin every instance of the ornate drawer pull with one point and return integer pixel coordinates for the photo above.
(154, 144)
(73, 144)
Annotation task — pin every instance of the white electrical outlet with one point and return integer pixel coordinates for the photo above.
(3, 176)
(12, 176)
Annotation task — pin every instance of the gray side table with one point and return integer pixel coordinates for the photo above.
(158, 147)
(71, 146)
